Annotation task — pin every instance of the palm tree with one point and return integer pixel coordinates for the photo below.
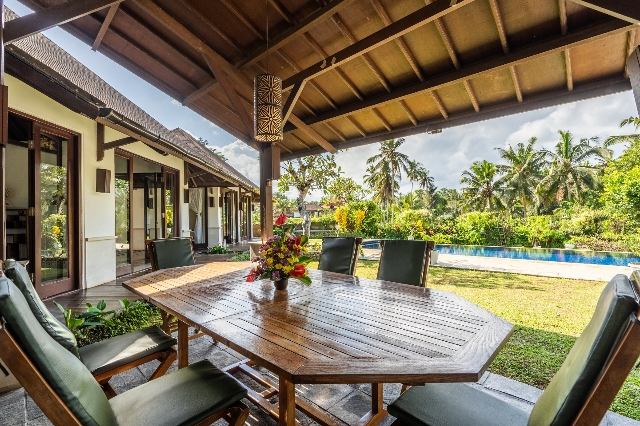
(388, 165)
(483, 188)
(570, 174)
(414, 170)
(612, 140)
(522, 171)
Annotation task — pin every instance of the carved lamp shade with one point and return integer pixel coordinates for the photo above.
(267, 104)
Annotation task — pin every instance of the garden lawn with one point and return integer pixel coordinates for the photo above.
(549, 314)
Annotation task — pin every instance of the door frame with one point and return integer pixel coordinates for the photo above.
(127, 269)
(73, 185)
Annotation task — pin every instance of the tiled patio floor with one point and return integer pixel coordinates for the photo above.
(346, 403)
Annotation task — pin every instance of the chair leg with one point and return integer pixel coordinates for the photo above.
(109, 391)
(235, 415)
(404, 388)
(165, 363)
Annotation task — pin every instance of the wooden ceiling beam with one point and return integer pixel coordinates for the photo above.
(399, 28)
(562, 7)
(367, 60)
(627, 10)
(407, 111)
(381, 118)
(594, 89)
(54, 16)
(357, 126)
(336, 131)
(296, 68)
(294, 94)
(497, 18)
(296, 31)
(325, 144)
(472, 96)
(444, 35)
(231, 94)
(281, 10)
(402, 45)
(546, 47)
(105, 26)
(568, 70)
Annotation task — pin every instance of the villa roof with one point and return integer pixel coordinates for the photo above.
(94, 97)
(365, 70)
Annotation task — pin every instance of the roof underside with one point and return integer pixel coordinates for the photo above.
(400, 67)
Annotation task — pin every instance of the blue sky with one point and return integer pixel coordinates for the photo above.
(445, 155)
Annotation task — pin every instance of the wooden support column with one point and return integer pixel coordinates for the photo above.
(633, 67)
(237, 209)
(269, 171)
(4, 138)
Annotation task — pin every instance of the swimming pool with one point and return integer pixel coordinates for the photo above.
(553, 255)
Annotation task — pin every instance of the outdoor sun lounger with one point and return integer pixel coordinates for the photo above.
(62, 386)
(580, 393)
(106, 358)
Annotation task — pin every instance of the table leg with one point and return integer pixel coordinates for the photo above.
(377, 412)
(183, 344)
(287, 403)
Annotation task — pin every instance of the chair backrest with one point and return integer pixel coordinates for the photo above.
(170, 253)
(42, 365)
(599, 362)
(405, 261)
(60, 333)
(339, 254)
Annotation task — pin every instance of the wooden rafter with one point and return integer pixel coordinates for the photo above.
(515, 57)
(382, 13)
(569, 72)
(243, 18)
(230, 91)
(472, 95)
(516, 82)
(367, 60)
(312, 133)
(322, 93)
(200, 92)
(562, 8)
(334, 130)
(444, 35)
(105, 26)
(357, 126)
(597, 88)
(399, 28)
(294, 94)
(381, 118)
(297, 30)
(439, 104)
(42, 20)
(631, 44)
(281, 10)
(495, 11)
(627, 10)
(407, 111)
(320, 51)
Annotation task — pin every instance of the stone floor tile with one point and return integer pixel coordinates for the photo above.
(40, 421)
(13, 414)
(352, 407)
(127, 380)
(390, 391)
(324, 396)
(11, 397)
(33, 411)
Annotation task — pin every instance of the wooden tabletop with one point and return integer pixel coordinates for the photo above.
(341, 329)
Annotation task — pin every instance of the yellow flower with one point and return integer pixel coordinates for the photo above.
(287, 269)
(278, 266)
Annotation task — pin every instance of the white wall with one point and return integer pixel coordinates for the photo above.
(214, 217)
(98, 210)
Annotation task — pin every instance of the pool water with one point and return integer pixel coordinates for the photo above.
(553, 255)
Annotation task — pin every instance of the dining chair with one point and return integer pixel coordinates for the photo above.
(339, 254)
(405, 261)
(581, 392)
(108, 357)
(64, 389)
(170, 253)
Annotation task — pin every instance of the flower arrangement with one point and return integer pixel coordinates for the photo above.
(281, 256)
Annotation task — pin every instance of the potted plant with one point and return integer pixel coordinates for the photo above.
(282, 257)
(216, 254)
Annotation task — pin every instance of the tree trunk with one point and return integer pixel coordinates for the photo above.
(306, 219)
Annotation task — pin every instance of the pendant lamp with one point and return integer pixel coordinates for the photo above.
(267, 101)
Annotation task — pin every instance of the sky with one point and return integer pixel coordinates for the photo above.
(445, 155)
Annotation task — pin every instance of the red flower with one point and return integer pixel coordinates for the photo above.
(298, 240)
(281, 219)
(251, 279)
(298, 271)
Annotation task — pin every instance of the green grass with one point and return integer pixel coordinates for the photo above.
(549, 314)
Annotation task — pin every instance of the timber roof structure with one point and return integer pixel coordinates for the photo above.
(361, 71)
(90, 95)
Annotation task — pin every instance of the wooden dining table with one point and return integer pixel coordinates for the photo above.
(340, 329)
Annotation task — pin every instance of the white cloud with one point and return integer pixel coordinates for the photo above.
(175, 102)
(243, 158)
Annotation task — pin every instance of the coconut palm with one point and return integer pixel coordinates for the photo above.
(570, 172)
(522, 172)
(388, 165)
(483, 189)
(612, 140)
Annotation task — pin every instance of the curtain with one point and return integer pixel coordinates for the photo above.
(195, 204)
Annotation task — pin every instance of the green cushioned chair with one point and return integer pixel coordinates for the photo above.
(67, 393)
(405, 261)
(106, 358)
(580, 393)
(170, 253)
(339, 254)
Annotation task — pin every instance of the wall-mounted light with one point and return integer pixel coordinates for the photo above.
(103, 181)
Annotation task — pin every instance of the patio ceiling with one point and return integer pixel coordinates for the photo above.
(361, 71)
